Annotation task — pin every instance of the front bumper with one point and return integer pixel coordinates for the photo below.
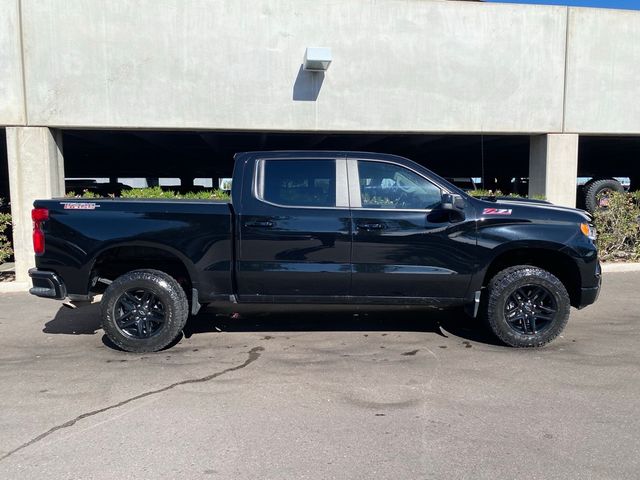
(589, 295)
(47, 284)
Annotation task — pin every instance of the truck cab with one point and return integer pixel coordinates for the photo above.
(359, 228)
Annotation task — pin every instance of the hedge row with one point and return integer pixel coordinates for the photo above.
(479, 192)
(158, 192)
(5, 245)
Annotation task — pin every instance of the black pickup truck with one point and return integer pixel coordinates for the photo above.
(318, 229)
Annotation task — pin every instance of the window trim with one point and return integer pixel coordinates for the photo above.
(341, 184)
(354, 186)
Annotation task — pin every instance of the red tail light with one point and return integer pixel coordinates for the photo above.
(38, 215)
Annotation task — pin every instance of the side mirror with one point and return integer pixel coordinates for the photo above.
(452, 201)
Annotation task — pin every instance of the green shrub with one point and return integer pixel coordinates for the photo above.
(5, 245)
(538, 197)
(158, 192)
(618, 227)
(206, 195)
(480, 192)
(150, 192)
(84, 194)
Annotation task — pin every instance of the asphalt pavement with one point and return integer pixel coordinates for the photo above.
(321, 396)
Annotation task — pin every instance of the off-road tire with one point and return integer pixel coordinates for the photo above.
(595, 188)
(165, 289)
(508, 281)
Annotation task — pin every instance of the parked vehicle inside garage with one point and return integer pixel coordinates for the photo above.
(318, 229)
(592, 192)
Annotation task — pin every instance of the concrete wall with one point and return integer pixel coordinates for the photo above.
(603, 72)
(399, 65)
(11, 88)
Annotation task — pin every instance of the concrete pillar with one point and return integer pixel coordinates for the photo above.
(553, 167)
(36, 170)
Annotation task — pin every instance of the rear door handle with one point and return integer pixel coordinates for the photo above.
(266, 224)
(371, 226)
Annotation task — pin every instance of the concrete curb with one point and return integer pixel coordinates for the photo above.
(12, 287)
(620, 267)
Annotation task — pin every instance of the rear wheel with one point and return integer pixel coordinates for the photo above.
(527, 306)
(144, 310)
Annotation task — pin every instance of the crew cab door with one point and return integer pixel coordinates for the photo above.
(294, 240)
(404, 248)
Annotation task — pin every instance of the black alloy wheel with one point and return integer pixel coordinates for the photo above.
(530, 309)
(526, 306)
(144, 311)
(140, 313)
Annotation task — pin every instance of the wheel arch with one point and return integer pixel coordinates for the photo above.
(549, 258)
(127, 256)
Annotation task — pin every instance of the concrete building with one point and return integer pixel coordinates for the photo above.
(85, 83)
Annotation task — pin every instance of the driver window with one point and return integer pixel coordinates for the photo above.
(385, 185)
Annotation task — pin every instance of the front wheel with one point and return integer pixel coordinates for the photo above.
(527, 306)
(144, 311)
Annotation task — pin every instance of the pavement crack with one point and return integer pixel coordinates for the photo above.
(254, 354)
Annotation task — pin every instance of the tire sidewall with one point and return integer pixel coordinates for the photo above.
(503, 286)
(165, 289)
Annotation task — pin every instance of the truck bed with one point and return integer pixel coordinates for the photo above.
(83, 234)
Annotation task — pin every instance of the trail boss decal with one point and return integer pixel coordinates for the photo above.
(79, 206)
(496, 211)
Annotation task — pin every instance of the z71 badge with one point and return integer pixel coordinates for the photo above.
(496, 211)
(79, 206)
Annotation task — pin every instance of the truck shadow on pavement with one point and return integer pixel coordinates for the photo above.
(86, 321)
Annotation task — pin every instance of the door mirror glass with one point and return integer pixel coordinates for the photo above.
(452, 201)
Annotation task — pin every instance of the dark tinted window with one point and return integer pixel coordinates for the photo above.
(385, 185)
(302, 183)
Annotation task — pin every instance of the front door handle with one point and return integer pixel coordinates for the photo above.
(371, 226)
(266, 224)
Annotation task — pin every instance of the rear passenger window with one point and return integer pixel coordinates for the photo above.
(299, 183)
